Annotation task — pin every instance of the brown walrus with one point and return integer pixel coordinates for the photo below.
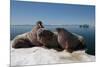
(39, 36)
(69, 41)
(63, 40)
(48, 39)
(28, 39)
(32, 36)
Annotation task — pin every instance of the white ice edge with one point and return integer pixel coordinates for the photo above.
(39, 55)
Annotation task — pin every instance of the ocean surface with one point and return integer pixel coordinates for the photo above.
(87, 32)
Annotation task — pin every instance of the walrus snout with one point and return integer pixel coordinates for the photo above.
(80, 46)
(76, 45)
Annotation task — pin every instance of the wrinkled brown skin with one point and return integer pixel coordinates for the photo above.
(69, 41)
(32, 36)
(48, 39)
(30, 39)
(22, 43)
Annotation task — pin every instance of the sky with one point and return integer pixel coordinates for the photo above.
(23, 13)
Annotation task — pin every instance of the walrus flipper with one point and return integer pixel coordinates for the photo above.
(22, 43)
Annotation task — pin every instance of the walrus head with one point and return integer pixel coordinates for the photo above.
(44, 36)
(69, 41)
(48, 39)
(39, 24)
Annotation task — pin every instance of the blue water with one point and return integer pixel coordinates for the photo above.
(87, 33)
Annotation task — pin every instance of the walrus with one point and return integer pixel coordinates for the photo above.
(44, 36)
(60, 40)
(48, 39)
(32, 36)
(39, 36)
(69, 41)
(22, 43)
(29, 39)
